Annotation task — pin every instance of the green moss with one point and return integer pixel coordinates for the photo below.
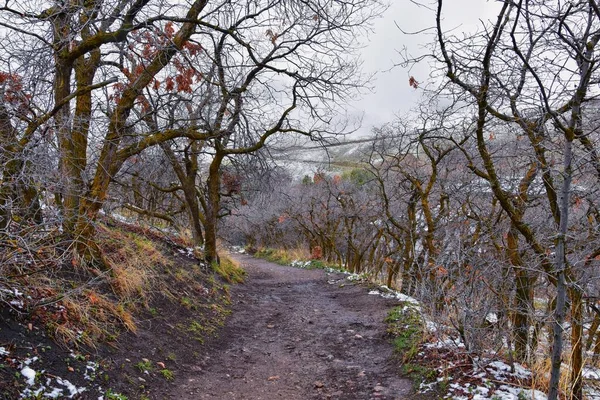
(144, 365)
(167, 374)
(407, 328)
(229, 270)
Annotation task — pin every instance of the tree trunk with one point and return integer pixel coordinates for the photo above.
(561, 265)
(577, 345)
(523, 296)
(212, 209)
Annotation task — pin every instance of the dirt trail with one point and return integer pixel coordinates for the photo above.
(294, 335)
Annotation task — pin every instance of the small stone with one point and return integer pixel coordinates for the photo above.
(378, 388)
(270, 326)
(273, 378)
(319, 384)
(141, 379)
(357, 336)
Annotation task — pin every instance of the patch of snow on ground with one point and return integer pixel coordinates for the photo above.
(28, 374)
(492, 318)
(120, 218)
(90, 370)
(28, 361)
(17, 303)
(431, 326)
(591, 393)
(388, 293)
(188, 252)
(352, 277)
(591, 373)
(512, 393)
(238, 249)
(54, 394)
(300, 264)
(73, 390)
(484, 392)
(446, 343)
(501, 370)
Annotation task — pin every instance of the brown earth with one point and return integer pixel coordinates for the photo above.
(288, 333)
(297, 334)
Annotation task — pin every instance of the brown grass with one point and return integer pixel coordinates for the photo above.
(91, 312)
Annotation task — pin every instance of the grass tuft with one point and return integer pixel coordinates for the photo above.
(406, 326)
(229, 269)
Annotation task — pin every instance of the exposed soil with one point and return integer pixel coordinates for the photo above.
(298, 334)
(292, 334)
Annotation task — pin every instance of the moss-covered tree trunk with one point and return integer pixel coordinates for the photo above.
(212, 208)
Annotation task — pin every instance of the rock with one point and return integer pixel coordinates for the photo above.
(319, 384)
(357, 336)
(378, 388)
(270, 326)
(273, 378)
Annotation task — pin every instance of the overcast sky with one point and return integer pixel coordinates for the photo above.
(392, 94)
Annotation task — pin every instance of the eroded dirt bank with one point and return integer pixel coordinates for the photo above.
(296, 334)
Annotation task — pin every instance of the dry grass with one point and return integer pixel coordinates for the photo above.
(88, 318)
(541, 375)
(79, 304)
(283, 256)
(89, 313)
(133, 259)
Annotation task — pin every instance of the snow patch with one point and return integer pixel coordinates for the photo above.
(591, 373)
(28, 374)
(388, 293)
(512, 393)
(73, 390)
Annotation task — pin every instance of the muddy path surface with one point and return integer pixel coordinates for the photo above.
(296, 334)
